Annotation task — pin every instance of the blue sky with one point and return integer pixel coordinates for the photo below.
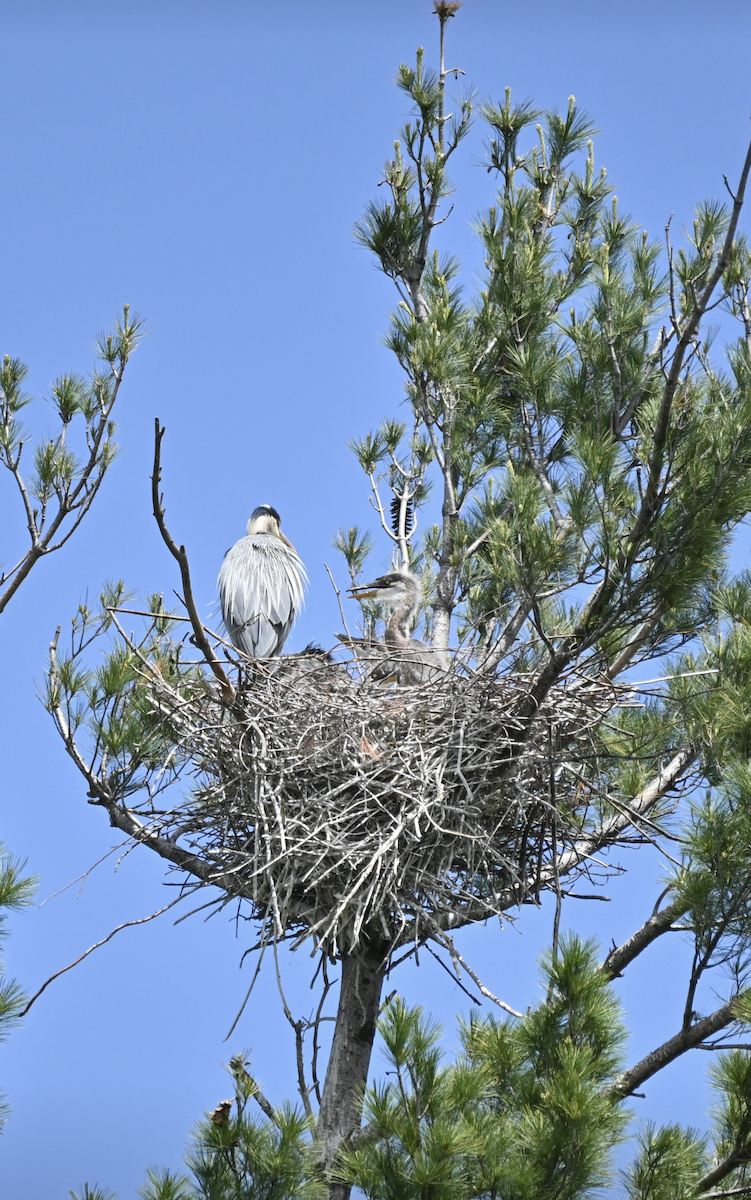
(206, 162)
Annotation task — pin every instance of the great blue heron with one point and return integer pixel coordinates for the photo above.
(261, 586)
(410, 660)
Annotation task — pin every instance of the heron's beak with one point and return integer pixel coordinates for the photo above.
(286, 541)
(363, 593)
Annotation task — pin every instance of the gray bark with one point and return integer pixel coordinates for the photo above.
(347, 1073)
(687, 1039)
(660, 922)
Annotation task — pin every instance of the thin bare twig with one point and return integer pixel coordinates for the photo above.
(82, 878)
(103, 942)
(256, 973)
(299, 1029)
(339, 600)
(178, 553)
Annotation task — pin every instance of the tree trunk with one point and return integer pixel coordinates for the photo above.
(347, 1073)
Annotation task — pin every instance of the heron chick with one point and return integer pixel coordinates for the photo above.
(410, 661)
(261, 585)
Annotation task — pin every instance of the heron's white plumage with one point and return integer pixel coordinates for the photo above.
(261, 592)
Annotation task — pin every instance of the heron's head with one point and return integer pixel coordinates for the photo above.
(391, 589)
(266, 519)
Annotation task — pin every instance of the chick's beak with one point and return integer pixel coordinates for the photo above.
(365, 592)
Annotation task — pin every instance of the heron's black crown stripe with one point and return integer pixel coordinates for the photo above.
(384, 581)
(265, 510)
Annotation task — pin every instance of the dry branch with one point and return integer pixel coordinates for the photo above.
(674, 1047)
(200, 639)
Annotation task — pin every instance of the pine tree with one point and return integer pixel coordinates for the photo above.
(532, 1109)
(591, 452)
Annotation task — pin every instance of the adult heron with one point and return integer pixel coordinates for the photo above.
(410, 661)
(261, 586)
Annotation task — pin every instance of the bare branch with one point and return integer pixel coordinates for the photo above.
(377, 503)
(70, 498)
(632, 647)
(339, 600)
(685, 343)
(267, 1108)
(327, 985)
(744, 1190)
(448, 943)
(739, 1155)
(562, 524)
(247, 996)
(299, 1029)
(674, 1047)
(199, 632)
(501, 647)
(621, 956)
(103, 942)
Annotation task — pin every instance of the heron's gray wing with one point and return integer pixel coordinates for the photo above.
(424, 664)
(260, 592)
(414, 664)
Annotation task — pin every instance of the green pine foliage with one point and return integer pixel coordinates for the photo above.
(581, 427)
(525, 1111)
(252, 1157)
(668, 1164)
(16, 890)
(92, 1193)
(528, 1111)
(68, 468)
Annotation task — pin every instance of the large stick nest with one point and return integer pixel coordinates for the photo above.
(342, 809)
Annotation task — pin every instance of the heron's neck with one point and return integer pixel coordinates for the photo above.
(397, 626)
(264, 524)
